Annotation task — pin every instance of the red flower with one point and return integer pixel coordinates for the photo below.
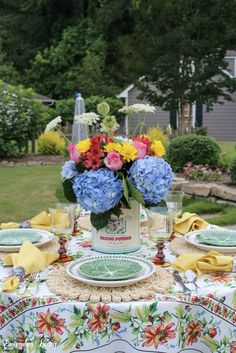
(92, 161)
(115, 326)
(233, 347)
(99, 318)
(225, 311)
(50, 323)
(194, 330)
(158, 335)
(216, 308)
(212, 332)
(2, 320)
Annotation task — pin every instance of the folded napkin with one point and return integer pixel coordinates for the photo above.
(31, 259)
(211, 262)
(42, 221)
(189, 222)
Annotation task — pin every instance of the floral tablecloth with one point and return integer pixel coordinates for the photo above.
(203, 322)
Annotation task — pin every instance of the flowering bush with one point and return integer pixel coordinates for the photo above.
(105, 170)
(201, 172)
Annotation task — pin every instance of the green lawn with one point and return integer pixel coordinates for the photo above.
(222, 214)
(229, 148)
(25, 191)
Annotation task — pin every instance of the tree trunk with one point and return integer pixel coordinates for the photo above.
(33, 145)
(181, 123)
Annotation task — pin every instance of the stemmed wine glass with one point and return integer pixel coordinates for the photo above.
(62, 223)
(174, 201)
(160, 226)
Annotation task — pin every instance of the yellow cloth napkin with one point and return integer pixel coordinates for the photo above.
(189, 222)
(31, 259)
(211, 262)
(42, 221)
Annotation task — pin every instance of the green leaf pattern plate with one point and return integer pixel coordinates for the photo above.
(110, 268)
(18, 236)
(217, 237)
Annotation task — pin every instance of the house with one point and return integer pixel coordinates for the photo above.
(220, 122)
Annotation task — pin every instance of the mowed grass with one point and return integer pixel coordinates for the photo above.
(218, 213)
(228, 149)
(26, 191)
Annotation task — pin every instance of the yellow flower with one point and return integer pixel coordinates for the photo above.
(128, 152)
(112, 146)
(157, 148)
(83, 146)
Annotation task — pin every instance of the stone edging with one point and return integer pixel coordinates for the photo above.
(11, 164)
(205, 189)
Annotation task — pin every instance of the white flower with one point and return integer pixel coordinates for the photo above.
(87, 118)
(50, 126)
(109, 124)
(169, 129)
(137, 108)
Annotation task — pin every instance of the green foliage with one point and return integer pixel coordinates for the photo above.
(79, 56)
(21, 119)
(51, 142)
(65, 108)
(115, 104)
(232, 171)
(172, 36)
(192, 148)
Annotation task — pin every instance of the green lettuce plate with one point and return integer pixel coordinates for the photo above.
(10, 237)
(217, 237)
(110, 268)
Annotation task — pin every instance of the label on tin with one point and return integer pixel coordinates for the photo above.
(121, 233)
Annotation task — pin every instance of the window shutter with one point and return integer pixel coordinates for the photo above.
(173, 118)
(199, 114)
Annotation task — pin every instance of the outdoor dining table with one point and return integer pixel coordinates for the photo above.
(40, 321)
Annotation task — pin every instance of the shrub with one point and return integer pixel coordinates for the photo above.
(51, 143)
(156, 133)
(21, 119)
(232, 171)
(192, 148)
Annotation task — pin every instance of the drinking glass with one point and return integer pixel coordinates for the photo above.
(160, 226)
(62, 224)
(174, 201)
(75, 209)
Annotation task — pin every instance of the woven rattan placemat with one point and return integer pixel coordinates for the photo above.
(180, 246)
(60, 282)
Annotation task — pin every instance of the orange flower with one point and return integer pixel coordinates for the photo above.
(50, 323)
(99, 318)
(194, 330)
(158, 335)
(224, 278)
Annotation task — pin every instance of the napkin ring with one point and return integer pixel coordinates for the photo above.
(25, 224)
(19, 272)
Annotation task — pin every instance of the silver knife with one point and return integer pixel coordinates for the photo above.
(179, 279)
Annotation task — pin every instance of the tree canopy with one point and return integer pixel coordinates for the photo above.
(98, 47)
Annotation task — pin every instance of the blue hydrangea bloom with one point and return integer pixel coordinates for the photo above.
(151, 176)
(98, 190)
(69, 170)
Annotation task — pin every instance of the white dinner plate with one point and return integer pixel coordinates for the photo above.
(73, 270)
(45, 237)
(191, 238)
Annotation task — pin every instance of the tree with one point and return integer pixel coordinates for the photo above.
(183, 45)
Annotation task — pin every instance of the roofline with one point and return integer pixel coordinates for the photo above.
(124, 94)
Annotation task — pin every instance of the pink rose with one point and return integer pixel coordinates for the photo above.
(113, 161)
(74, 153)
(141, 149)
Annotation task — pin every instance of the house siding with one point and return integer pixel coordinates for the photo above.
(160, 117)
(221, 121)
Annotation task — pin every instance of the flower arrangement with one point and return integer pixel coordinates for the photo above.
(105, 170)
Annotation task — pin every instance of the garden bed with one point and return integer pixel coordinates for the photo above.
(31, 159)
